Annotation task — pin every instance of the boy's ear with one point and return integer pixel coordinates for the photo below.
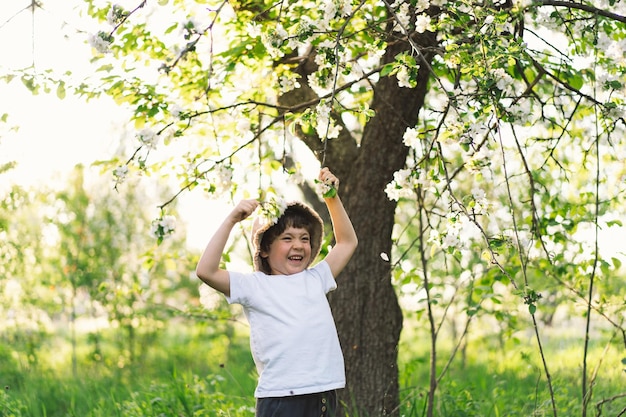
(263, 254)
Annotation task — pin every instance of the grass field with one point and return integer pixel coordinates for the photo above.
(187, 370)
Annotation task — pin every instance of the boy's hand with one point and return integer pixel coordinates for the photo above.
(243, 210)
(330, 183)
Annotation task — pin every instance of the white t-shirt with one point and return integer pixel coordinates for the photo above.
(293, 337)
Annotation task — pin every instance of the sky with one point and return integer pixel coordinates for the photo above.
(52, 134)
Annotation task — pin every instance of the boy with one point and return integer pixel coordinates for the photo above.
(293, 338)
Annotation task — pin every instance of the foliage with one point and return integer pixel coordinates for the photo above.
(513, 161)
(80, 255)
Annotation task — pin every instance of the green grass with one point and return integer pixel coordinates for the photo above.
(183, 372)
(189, 370)
(494, 380)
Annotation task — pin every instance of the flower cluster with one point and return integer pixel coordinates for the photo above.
(176, 111)
(404, 77)
(274, 40)
(412, 140)
(459, 232)
(325, 190)
(288, 82)
(403, 16)
(148, 137)
(501, 78)
(101, 41)
(119, 174)
(223, 180)
(116, 15)
(479, 204)
(324, 125)
(422, 23)
(333, 9)
(479, 160)
(270, 211)
(403, 183)
(163, 227)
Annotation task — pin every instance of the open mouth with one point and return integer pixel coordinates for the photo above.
(296, 258)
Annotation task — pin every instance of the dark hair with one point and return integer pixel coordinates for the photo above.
(294, 216)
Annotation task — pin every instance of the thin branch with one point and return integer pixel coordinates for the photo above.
(32, 5)
(583, 7)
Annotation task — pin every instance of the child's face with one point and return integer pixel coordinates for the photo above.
(290, 252)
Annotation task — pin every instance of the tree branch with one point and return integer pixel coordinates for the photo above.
(584, 7)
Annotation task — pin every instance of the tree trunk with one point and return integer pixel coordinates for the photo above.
(365, 305)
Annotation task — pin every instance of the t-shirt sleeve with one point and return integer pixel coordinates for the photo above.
(237, 288)
(322, 270)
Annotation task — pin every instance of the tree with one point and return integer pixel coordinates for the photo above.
(469, 137)
(108, 262)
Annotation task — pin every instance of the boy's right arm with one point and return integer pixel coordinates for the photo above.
(208, 268)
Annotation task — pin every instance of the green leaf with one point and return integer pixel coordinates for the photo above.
(30, 84)
(61, 90)
(616, 263)
(387, 69)
(575, 80)
(532, 308)
(331, 193)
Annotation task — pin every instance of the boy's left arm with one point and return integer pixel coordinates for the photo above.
(346, 239)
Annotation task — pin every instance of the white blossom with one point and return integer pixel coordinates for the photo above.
(421, 23)
(402, 17)
(163, 227)
(100, 41)
(148, 137)
(320, 84)
(274, 40)
(297, 177)
(522, 4)
(345, 7)
(422, 5)
(223, 179)
(402, 185)
(481, 204)
(288, 83)
(404, 77)
(324, 124)
(272, 210)
(115, 15)
(120, 174)
(333, 9)
(176, 111)
(502, 78)
(412, 140)
(254, 30)
(321, 188)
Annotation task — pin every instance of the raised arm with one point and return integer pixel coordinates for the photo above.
(208, 268)
(346, 239)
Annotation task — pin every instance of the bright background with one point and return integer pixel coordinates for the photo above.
(54, 135)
